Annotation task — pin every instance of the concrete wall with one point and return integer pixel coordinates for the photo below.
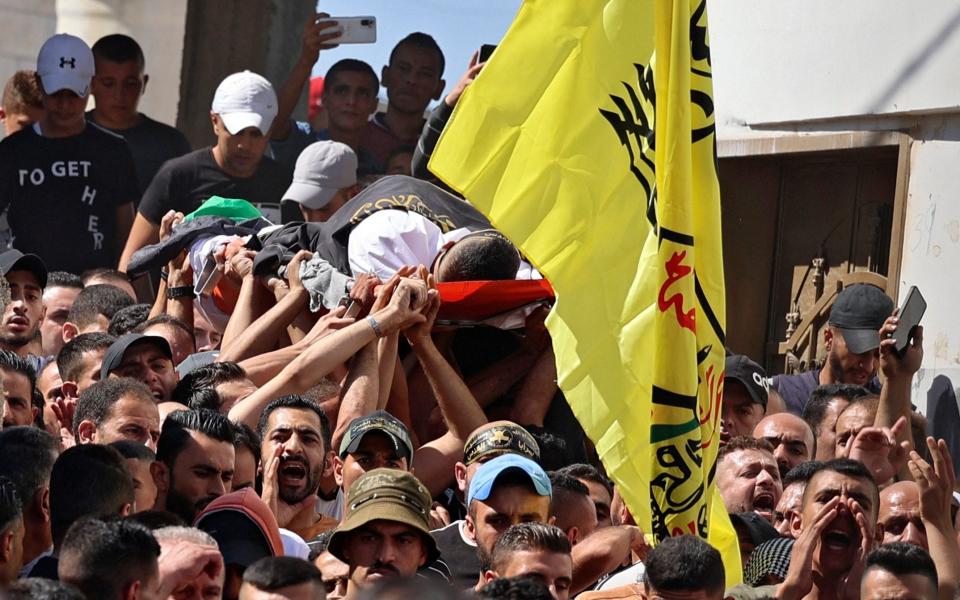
(223, 37)
(819, 66)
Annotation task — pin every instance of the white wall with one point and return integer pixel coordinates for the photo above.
(780, 61)
(819, 66)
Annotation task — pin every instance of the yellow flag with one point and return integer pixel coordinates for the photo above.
(599, 162)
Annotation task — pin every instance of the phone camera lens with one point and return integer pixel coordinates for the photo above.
(366, 22)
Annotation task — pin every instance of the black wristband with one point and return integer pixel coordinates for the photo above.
(182, 291)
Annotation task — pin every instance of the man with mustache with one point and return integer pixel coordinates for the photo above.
(748, 477)
(195, 461)
(295, 438)
(20, 329)
(852, 342)
(385, 532)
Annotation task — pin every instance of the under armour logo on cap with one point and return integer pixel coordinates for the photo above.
(64, 62)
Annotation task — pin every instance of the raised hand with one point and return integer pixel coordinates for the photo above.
(270, 494)
(799, 579)
(877, 448)
(892, 364)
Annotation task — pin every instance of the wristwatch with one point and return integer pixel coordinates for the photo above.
(182, 291)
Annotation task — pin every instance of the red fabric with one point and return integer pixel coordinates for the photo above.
(478, 300)
(314, 103)
(225, 295)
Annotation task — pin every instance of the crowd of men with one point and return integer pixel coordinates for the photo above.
(228, 373)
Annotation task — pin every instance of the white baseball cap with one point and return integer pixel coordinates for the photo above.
(245, 100)
(323, 168)
(65, 62)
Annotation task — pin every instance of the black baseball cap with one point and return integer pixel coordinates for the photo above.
(14, 260)
(113, 357)
(381, 422)
(859, 312)
(740, 368)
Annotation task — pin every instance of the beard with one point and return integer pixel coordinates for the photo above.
(184, 507)
(294, 495)
(19, 341)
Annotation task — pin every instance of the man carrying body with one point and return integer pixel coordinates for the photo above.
(118, 84)
(69, 188)
(852, 342)
(385, 533)
(243, 109)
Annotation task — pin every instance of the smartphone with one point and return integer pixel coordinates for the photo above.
(356, 30)
(910, 314)
(485, 51)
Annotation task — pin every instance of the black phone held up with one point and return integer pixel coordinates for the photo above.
(911, 311)
(485, 51)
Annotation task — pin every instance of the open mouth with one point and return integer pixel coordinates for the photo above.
(293, 473)
(837, 540)
(764, 504)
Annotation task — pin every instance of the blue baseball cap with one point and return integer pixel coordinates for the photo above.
(481, 486)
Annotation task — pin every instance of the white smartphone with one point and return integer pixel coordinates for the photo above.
(356, 30)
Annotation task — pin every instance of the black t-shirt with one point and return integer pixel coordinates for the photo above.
(62, 195)
(151, 143)
(184, 183)
(460, 557)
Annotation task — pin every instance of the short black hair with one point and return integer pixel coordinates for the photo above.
(565, 488)
(246, 437)
(206, 377)
(815, 409)
(127, 319)
(101, 558)
(64, 280)
(902, 558)
(351, 65)
(11, 508)
(27, 455)
(130, 449)
(41, 588)
(421, 40)
(684, 563)
(294, 401)
(119, 48)
(588, 472)
(850, 468)
(96, 402)
(87, 480)
(802, 472)
(528, 537)
(555, 452)
(275, 572)
(95, 300)
(11, 361)
(207, 398)
(165, 319)
(484, 257)
(524, 587)
(70, 356)
(177, 427)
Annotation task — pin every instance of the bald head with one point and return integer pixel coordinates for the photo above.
(791, 437)
(900, 514)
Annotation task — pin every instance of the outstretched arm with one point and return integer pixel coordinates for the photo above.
(316, 32)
